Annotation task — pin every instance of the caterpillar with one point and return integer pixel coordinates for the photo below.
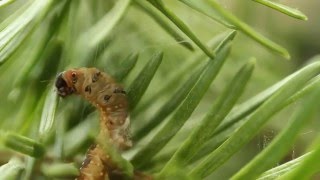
(110, 99)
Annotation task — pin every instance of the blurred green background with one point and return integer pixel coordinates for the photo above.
(24, 90)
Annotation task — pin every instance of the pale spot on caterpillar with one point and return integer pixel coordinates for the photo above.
(110, 99)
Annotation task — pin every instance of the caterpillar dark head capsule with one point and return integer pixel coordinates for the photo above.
(62, 86)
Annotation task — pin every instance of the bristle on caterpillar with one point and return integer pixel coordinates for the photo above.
(110, 99)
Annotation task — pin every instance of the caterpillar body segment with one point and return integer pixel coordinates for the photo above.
(110, 99)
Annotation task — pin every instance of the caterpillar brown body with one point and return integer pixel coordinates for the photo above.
(110, 99)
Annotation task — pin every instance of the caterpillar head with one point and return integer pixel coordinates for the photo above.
(63, 87)
(75, 81)
(65, 82)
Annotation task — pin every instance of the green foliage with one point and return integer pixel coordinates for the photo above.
(307, 168)
(284, 9)
(183, 126)
(213, 118)
(48, 113)
(163, 23)
(5, 3)
(254, 122)
(181, 25)
(140, 85)
(12, 169)
(23, 144)
(273, 153)
(284, 168)
(176, 98)
(126, 66)
(217, 10)
(60, 170)
(185, 110)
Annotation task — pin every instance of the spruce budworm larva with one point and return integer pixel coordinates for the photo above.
(110, 99)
